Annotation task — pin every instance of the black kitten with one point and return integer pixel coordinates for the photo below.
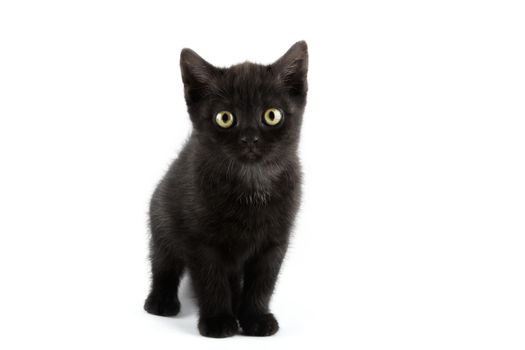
(226, 206)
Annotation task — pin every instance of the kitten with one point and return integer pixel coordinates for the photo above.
(225, 208)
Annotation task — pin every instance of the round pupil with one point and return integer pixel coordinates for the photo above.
(224, 117)
(271, 115)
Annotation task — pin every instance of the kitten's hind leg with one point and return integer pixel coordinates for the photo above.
(166, 274)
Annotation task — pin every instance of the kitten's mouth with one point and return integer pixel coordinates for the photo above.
(250, 155)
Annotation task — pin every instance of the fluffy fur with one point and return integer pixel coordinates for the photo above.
(226, 206)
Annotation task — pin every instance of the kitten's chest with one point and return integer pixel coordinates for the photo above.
(254, 204)
(247, 215)
(244, 228)
(247, 189)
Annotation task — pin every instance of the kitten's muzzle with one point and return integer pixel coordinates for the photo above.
(250, 150)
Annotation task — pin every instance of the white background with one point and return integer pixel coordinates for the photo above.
(411, 233)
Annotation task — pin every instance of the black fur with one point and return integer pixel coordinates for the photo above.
(225, 208)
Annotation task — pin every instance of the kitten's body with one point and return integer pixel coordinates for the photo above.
(225, 208)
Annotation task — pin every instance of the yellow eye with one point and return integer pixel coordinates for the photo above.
(273, 116)
(224, 119)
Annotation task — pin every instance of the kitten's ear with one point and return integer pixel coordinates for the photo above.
(292, 68)
(196, 74)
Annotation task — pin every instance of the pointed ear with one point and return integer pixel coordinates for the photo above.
(196, 75)
(292, 68)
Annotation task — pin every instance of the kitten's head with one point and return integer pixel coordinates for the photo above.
(249, 112)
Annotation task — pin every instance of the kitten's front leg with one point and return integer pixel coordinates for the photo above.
(260, 276)
(211, 282)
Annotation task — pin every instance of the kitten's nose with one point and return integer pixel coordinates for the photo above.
(250, 140)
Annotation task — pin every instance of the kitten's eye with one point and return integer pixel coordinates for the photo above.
(273, 116)
(224, 119)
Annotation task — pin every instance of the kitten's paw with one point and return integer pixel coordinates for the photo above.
(162, 305)
(220, 326)
(259, 325)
